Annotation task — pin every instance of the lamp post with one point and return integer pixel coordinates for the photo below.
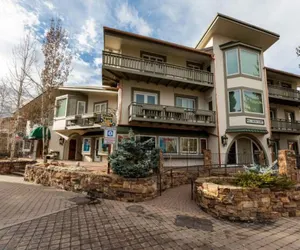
(224, 140)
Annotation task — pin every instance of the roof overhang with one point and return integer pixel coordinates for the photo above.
(89, 89)
(239, 31)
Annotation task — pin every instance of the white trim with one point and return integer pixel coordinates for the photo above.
(172, 137)
(100, 104)
(258, 56)
(60, 98)
(238, 62)
(189, 152)
(84, 111)
(241, 101)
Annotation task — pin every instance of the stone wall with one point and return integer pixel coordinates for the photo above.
(109, 186)
(245, 204)
(8, 167)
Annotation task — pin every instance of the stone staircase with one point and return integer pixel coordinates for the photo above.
(20, 173)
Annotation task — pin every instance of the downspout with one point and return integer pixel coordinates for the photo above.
(217, 113)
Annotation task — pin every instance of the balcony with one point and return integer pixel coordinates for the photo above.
(127, 67)
(170, 115)
(283, 126)
(284, 95)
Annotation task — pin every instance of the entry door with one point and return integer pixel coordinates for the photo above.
(72, 149)
(244, 149)
(97, 157)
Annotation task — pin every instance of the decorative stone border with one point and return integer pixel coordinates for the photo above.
(245, 204)
(110, 186)
(8, 167)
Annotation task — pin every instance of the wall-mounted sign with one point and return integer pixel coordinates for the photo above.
(255, 121)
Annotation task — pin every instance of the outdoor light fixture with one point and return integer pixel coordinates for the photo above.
(270, 142)
(224, 140)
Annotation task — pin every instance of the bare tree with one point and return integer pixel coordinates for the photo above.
(55, 73)
(18, 81)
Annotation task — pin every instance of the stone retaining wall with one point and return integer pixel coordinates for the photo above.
(108, 185)
(8, 167)
(246, 204)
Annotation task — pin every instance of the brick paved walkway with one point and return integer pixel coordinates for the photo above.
(21, 201)
(117, 225)
(178, 198)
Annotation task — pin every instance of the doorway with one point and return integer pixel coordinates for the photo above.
(97, 157)
(72, 150)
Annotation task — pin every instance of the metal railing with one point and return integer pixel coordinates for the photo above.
(284, 125)
(170, 114)
(281, 92)
(162, 69)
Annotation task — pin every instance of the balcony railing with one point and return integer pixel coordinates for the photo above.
(84, 120)
(170, 114)
(160, 69)
(282, 125)
(284, 93)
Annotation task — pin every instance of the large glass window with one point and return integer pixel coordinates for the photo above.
(250, 62)
(232, 64)
(189, 145)
(184, 102)
(235, 101)
(80, 107)
(168, 145)
(253, 102)
(144, 97)
(61, 105)
(86, 145)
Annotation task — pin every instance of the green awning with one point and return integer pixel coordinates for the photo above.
(247, 130)
(37, 133)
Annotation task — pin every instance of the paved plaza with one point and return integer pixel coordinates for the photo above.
(37, 217)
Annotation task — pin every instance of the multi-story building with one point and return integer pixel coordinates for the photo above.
(217, 96)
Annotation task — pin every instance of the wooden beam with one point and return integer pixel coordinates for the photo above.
(124, 75)
(113, 73)
(169, 83)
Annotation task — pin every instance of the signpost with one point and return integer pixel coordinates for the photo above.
(110, 134)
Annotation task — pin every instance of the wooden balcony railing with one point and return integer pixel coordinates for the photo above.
(285, 126)
(285, 93)
(84, 120)
(160, 69)
(170, 114)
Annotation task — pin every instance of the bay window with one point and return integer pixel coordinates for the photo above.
(242, 61)
(253, 102)
(61, 107)
(232, 62)
(189, 145)
(235, 101)
(250, 62)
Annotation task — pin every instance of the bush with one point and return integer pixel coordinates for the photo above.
(250, 179)
(134, 159)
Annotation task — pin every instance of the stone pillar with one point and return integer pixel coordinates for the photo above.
(207, 158)
(287, 163)
(261, 158)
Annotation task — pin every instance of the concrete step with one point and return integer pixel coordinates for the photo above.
(19, 173)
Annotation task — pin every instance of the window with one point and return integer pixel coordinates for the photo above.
(100, 107)
(168, 145)
(194, 66)
(61, 107)
(144, 138)
(203, 145)
(156, 58)
(232, 65)
(286, 85)
(293, 145)
(101, 148)
(145, 97)
(235, 101)
(210, 106)
(289, 116)
(250, 63)
(189, 145)
(27, 145)
(80, 108)
(183, 102)
(253, 102)
(86, 145)
(272, 114)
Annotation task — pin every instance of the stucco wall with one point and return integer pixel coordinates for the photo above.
(54, 143)
(96, 97)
